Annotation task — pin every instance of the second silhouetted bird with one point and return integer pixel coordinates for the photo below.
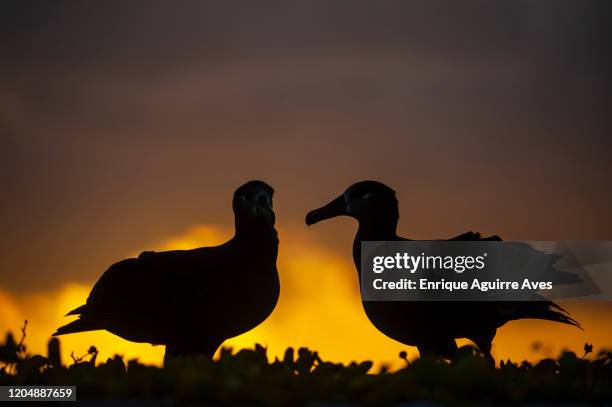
(430, 326)
(192, 300)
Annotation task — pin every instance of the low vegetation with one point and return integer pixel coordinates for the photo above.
(247, 377)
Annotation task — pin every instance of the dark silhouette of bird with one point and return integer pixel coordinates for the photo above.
(192, 300)
(430, 326)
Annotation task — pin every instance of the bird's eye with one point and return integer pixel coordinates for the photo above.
(368, 195)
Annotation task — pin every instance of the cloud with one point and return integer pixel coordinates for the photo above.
(44, 312)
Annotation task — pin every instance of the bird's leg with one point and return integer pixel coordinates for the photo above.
(187, 348)
(436, 348)
(485, 343)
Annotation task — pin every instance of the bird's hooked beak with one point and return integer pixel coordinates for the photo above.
(337, 207)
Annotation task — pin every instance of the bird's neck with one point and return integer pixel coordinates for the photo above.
(375, 230)
(383, 228)
(255, 235)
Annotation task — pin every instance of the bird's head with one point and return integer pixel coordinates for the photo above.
(252, 204)
(365, 201)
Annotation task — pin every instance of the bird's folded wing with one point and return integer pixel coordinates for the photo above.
(470, 236)
(156, 282)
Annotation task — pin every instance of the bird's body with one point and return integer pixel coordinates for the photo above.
(430, 326)
(189, 300)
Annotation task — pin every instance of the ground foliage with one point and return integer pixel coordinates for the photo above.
(247, 377)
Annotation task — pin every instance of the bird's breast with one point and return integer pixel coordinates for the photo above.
(245, 294)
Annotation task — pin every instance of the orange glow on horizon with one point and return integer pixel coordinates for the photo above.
(319, 307)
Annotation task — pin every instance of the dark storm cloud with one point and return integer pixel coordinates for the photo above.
(122, 121)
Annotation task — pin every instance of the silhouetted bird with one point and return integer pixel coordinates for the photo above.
(192, 300)
(430, 326)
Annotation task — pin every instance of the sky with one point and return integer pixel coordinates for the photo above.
(126, 126)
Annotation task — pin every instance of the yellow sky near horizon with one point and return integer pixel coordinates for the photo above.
(319, 307)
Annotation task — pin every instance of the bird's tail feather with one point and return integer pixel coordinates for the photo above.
(77, 310)
(80, 325)
(549, 311)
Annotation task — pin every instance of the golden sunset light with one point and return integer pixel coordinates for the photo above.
(337, 327)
